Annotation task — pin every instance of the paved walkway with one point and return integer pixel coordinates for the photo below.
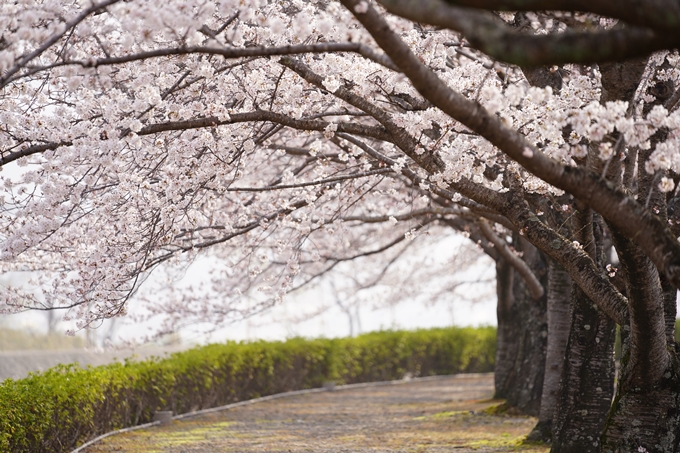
(436, 415)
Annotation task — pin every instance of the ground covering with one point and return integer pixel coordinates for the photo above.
(453, 413)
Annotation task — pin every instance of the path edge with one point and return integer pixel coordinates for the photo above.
(275, 396)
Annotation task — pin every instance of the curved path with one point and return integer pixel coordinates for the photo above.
(440, 414)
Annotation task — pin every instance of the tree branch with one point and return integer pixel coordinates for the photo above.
(434, 211)
(515, 261)
(34, 149)
(378, 133)
(496, 39)
(633, 220)
(432, 162)
(46, 45)
(658, 14)
(378, 171)
(226, 52)
(264, 115)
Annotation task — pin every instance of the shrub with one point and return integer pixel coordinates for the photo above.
(56, 410)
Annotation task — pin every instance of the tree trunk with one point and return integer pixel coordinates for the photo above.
(645, 418)
(522, 334)
(559, 297)
(646, 413)
(670, 307)
(507, 338)
(587, 383)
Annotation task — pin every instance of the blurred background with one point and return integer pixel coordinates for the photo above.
(330, 307)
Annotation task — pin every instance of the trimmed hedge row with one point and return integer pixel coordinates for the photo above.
(65, 406)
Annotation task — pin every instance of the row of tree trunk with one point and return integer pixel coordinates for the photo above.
(574, 367)
(555, 360)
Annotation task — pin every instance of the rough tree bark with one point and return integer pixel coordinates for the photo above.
(559, 298)
(670, 308)
(645, 415)
(522, 333)
(506, 337)
(646, 411)
(588, 368)
(587, 383)
(588, 376)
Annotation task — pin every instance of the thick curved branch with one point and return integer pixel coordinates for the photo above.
(30, 150)
(574, 259)
(631, 218)
(501, 42)
(515, 261)
(658, 14)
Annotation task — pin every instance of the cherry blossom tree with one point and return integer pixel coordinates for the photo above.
(280, 139)
(645, 287)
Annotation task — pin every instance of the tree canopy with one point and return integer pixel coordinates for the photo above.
(285, 137)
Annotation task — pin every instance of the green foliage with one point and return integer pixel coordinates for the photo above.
(63, 407)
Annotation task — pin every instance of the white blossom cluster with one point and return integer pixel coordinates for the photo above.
(166, 158)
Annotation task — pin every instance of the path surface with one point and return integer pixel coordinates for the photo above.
(438, 415)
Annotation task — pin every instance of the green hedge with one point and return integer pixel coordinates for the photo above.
(59, 409)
